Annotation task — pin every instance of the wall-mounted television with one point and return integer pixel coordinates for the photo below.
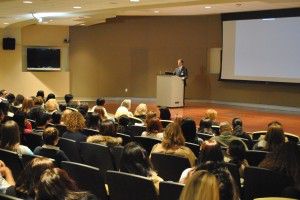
(43, 59)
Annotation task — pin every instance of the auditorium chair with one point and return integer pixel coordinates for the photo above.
(291, 137)
(135, 120)
(26, 158)
(116, 152)
(8, 197)
(204, 136)
(165, 123)
(125, 186)
(126, 138)
(259, 182)
(13, 161)
(146, 142)
(32, 140)
(97, 155)
(169, 167)
(89, 132)
(216, 129)
(254, 157)
(194, 147)
(234, 171)
(87, 178)
(169, 190)
(135, 130)
(70, 148)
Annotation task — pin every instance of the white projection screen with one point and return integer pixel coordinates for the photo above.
(261, 49)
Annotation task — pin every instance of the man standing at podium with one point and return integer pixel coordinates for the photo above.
(181, 71)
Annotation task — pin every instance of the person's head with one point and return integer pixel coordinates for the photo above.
(65, 115)
(10, 98)
(211, 114)
(55, 183)
(19, 100)
(43, 119)
(30, 176)
(135, 160)
(55, 117)
(126, 103)
(83, 108)
(205, 123)
(274, 136)
(285, 159)
(51, 105)
(40, 93)
(188, 127)
(173, 136)
(20, 117)
(210, 150)
(149, 116)
(165, 113)
(50, 136)
(74, 121)
(123, 120)
(225, 127)
(100, 102)
(180, 62)
(50, 96)
(38, 101)
(93, 121)
(68, 98)
(27, 104)
(236, 122)
(3, 93)
(100, 111)
(237, 151)
(141, 110)
(108, 128)
(10, 135)
(154, 126)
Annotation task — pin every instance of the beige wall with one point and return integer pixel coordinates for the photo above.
(13, 75)
(128, 52)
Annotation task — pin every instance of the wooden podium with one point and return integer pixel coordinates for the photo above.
(169, 91)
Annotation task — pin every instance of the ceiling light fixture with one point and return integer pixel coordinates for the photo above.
(27, 2)
(207, 7)
(135, 1)
(76, 7)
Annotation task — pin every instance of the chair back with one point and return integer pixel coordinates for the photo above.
(254, 157)
(89, 132)
(13, 161)
(169, 190)
(194, 147)
(259, 182)
(234, 171)
(61, 129)
(165, 123)
(135, 130)
(146, 142)
(204, 136)
(32, 140)
(135, 120)
(8, 197)
(87, 177)
(71, 149)
(116, 152)
(125, 186)
(97, 155)
(216, 129)
(26, 158)
(169, 167)
(126, 138)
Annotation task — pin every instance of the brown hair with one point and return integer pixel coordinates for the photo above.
(154, 125)
(225, 127)
(274, 136)
(75, 121)
(211, 114)
(10, 136)
(173, 136)
(27, 104)
(149, 116)
(50, 135)
(38, 101)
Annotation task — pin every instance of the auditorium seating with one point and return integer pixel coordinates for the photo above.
(89, 132)
(12, 160)
(204, 136)
(125, 186)
(135, 130)
(146, 142)
(234, 171)
(254, 157)
(291, 137)
(116, 152)
(126, 138)
(165, 164)
(194, 147)
(32, 140)
(165, 123)
(71, 149)
(169, 190)
(8, 197)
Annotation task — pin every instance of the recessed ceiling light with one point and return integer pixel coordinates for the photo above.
(135, 1)
(28, 2)
(156, 11)
(76, 7)
(6, 23)
(207, 7)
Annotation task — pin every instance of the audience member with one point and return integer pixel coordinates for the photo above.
(154, 129)
(102, 113)
(173, 143)
(124, 109)
(51, 106)
(189, 130)
(27, 105)
(36, 109)
(6, 177)
(237, 151)
(205, 126)
(93, 121)
(212, 115)
(83, 108)
(123, 122)
(134, 160)
(164, 113)
(56, 184)
(41, 123)
(24, 125)
(75, 124)
(3, 93)
(50, 96)
(27, 181)
(149, 116)
(141, 111)
(10, 138)
(50, 148)
(55, 117)
(17, 104)
(10, 98)
(69, 99)
(238, 131)
(41, 94)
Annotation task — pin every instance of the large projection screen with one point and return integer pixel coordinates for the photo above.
(263, 49)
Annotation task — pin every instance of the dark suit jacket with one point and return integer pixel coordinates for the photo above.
(181, 72)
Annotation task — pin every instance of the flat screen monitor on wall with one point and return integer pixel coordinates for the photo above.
(261, 46)
(43, 59)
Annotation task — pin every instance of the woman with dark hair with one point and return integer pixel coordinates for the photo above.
(210, 150)
(237, 151)
(93, 121)
(56, 184)
(10, 138)
(205, 126)
(17, 104)
(165, 113)
(135, 160)
(238, 131)
(55, 117)
(27, 105)
(188, 127)
(50, 96)
(154, 129)
(29, 177)
(174, 143)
